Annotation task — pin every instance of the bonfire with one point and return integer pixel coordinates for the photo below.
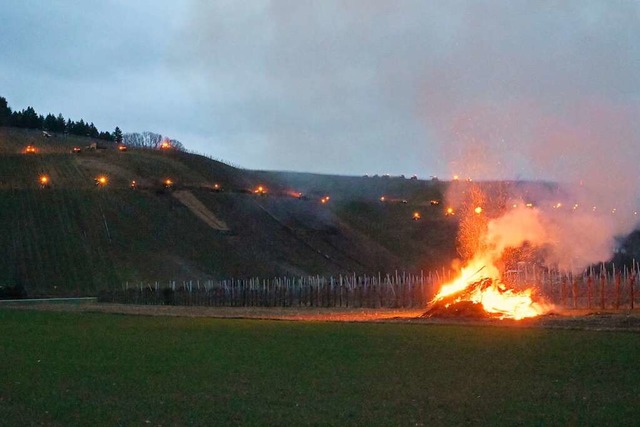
(478, 291)
(484, 298)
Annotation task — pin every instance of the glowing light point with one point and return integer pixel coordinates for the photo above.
(478, 210)
(416, 216)
(44, 181)
(101, 181)
(450, 212)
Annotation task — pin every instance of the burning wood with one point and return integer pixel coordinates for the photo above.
(485, 298)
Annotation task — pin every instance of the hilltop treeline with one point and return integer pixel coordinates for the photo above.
(30, 119)
(149, 140)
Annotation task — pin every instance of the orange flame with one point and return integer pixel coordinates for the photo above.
(495, 299)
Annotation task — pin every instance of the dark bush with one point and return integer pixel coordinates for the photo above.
(12, 291)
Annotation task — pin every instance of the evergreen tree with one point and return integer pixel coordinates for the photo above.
(60, 123)
(92, 130)
(106, 136)
(30, 118)
(117, 135)
(5, 112)
(50, 122)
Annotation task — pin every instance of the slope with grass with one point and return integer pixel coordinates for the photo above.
(76, 237)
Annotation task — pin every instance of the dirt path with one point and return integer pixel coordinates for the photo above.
(200, 210)
(621, 320)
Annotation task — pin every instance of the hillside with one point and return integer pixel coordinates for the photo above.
(76, 237)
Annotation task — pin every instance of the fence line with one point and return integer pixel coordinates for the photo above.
(595, 288)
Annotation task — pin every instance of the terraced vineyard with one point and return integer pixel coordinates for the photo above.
(75, 237)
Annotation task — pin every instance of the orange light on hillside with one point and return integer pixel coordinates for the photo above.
(45, 182)
(101, 180)
(167, 183)
(456, 178)
(478, 210)
(416, 216)
(122, 147)
(450, 212)
(216, 186)
(30, 149)
(76, 150)
(325, 199)
(434, 202)
(165, 145)
(133, 185)
(294, 194)
(382, 199)
(260, 190)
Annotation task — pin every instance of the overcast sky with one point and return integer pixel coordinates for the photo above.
(503, 89)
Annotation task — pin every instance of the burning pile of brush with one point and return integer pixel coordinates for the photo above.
(485, 242)
(485, 298)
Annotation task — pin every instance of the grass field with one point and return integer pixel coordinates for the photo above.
(101, 369)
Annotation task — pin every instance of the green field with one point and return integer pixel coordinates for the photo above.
(100, 369)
